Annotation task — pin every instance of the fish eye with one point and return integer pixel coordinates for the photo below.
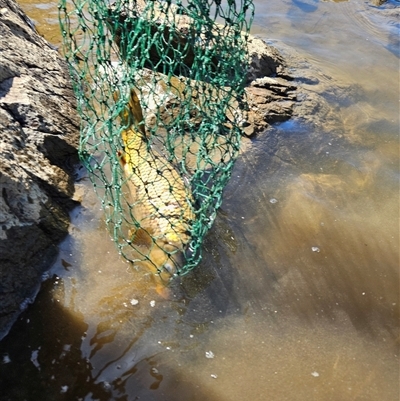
(170, 267)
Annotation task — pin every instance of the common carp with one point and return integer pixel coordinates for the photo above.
(161, 201)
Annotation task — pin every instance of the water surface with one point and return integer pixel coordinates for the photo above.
(298, 294)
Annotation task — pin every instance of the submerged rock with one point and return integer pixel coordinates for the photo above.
(39, 136)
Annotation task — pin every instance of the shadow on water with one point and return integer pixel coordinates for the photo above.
(42, 359)
(99, 331)
(306, 6)
(34, 369)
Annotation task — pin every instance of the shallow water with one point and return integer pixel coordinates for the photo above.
(298, 294)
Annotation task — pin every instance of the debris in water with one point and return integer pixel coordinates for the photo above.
(34, 357)
(315, 374)
(106, 385)
(153, 303)
(209, 354)
(213, 376)
(64, 389)
(134, 301)
(315, 249)
(6, 359)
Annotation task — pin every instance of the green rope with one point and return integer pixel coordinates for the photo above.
(160, 90)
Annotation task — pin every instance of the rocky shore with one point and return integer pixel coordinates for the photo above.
(39, 135)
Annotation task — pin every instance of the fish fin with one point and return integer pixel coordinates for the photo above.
(124, 114)
(133, 109)
(121, 157)
(161, 282)
(163, 291)
(142, 237)
(136, 110)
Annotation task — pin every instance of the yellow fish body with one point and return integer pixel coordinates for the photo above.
(161, 202)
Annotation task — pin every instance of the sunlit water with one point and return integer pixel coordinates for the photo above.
(298, 294)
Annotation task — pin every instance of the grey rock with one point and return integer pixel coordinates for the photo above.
(271, 93)
(38, 140)
(264, 60)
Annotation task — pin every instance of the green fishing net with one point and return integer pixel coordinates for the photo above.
(160, 92)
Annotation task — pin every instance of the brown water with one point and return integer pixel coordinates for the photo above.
(298, 294)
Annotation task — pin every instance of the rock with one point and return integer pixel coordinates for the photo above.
(264, 60)
(39, 137)
(266, 66)
(271, 98)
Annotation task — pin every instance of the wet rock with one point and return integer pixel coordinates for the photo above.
(264, 60)
(39, 136)
(270, 100)
(377, 2)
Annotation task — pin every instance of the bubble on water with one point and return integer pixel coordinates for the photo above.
(134, 301)
(209, 354)
(315, 374)
(273, 200)
(315, 249)
(106, 385)
(64, 389)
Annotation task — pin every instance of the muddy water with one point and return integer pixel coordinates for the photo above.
(298, 294)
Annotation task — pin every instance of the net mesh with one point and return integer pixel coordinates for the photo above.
(160, 92)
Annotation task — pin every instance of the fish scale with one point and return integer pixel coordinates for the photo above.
(161, 200)
(189, 63)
